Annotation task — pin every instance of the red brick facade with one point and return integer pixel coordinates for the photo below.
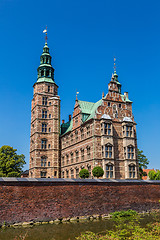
(32, 200)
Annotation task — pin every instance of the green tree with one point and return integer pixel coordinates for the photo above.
(143, 162)
(153, 175)
(84, 173)
(11, 163)
(97, 172)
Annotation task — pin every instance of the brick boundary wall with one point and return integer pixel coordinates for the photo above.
(28, 199)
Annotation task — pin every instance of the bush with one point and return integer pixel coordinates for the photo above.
(124, 214)
(84, 173)
(97, 172)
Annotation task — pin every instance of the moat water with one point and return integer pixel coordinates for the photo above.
(65, 231)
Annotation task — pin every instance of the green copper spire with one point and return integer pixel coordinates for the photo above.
(45, 69)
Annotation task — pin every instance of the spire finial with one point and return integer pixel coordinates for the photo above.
(114, 65)
(77, 95)
(45, 31)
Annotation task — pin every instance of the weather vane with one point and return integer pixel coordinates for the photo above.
(45, 31)
(114, 64)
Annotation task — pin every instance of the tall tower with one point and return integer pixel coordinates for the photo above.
(45, 122)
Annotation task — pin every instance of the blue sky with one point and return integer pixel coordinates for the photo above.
(83, 36)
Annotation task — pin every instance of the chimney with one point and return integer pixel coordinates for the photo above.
(126, 94)
(62, 121)
(70, 116)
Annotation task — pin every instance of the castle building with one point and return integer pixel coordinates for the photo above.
(97, 134)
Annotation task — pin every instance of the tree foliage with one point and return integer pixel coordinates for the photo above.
(143, 163)
(97, 172)
(153, 175)
(84, 173)
(11, 163)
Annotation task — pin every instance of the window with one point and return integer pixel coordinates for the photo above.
(77, 156)
(72, 173)
(77, 172)
(109, 171)
(107, 128)
(43, 174)
(109, 104)
(76, 136)
(44, 114)
(82, 133)
(55, 173)
(49, 129)
(43, 161)
(128, 131)
(67, 158)
(63, 161)
(102, 152)
(82, 154)
(66, 140)
(108, 151)
(120, 105)
(44, 101)
(42, 73)
(50, 103)
(43, 144)
(130, 150)
(76, 120)
(49, 115)
(131, 171)
(89, 170)
(47, 74)
(67, 174)
(49, 145)
(71, 138)
(49, 86)
(88, 153)
(63, 174)
(88, 130)
(44, 127)
(71, 157)
(49, 164)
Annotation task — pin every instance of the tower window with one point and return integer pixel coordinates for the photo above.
(43, 144)
(49, 164)
(44, 114)
(47, 74)
(44, 127)
(49, 88)
(43, 161)
(44, 101)
(109, 104)
(42, 73)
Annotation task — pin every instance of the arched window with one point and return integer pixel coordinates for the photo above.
(109, 170)
(77, 156)
(130, 152)
(47, 73)
(42, 73)
(108, 151)
(131, 171)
